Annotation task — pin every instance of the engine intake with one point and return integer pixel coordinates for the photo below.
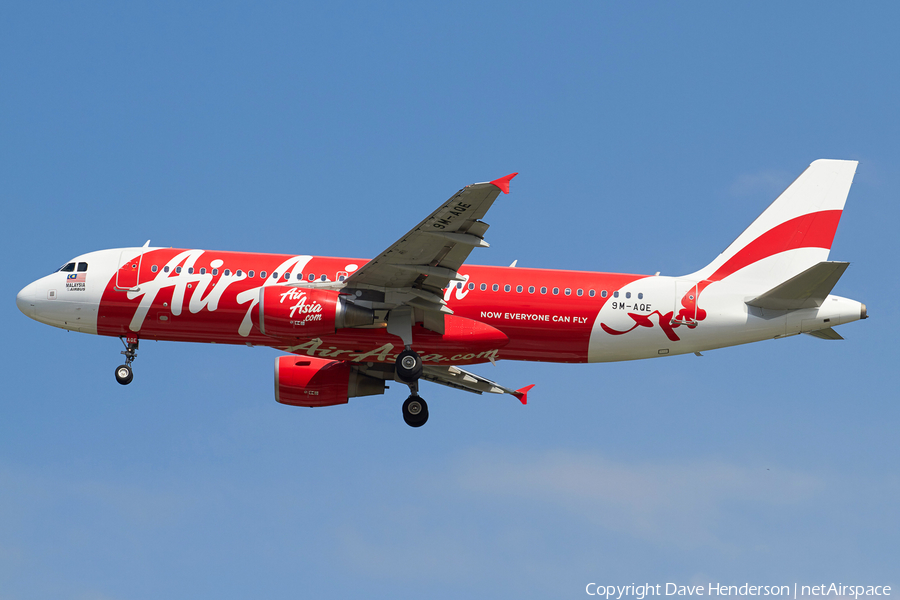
(311, 381)
(292, 312)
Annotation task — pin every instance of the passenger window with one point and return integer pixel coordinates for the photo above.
(543, 290)
(251, 273)
(580, 292)
(591, 293)
(215, 272)
(227, 272)
(519, 289)
(203, 270)
(312, 277)
(178, 270)
(615, 294)
(342, 277)
(628, 294)
(471, 286)
(555, 291)
(299, 276)
(275, 275)
(459, 285)
(82, 267)
(495, 287)
(324, 278)
(530, 289)
(603, 294)
(287, 276)
(166, 269)
(154, 268)
(190, 270)
(262, 275)
(483, 287)
(640, 296)
(506, 288)
(239, 273)
(568, 291)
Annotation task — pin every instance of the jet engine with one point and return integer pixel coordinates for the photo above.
(311, 381)
(292, 312)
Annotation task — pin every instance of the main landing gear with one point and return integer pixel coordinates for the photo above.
(415, 411)
(409, 366)
(124, 374)
(408, 370)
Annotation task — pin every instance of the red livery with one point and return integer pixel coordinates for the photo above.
(418, 312)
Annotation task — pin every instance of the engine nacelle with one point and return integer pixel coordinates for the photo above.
(311, 381)
(292, 312)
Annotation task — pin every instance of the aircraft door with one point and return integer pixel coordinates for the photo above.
(685, 310)
(128, 275)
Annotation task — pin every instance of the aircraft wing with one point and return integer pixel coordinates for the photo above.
(463, 380)
(418, 266)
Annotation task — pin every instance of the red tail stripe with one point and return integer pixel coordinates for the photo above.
(813, 230)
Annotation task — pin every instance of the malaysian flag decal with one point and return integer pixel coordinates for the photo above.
(75, 282)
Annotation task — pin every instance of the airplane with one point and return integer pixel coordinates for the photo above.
(417, 311)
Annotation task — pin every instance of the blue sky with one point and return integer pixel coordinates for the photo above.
(647, 137)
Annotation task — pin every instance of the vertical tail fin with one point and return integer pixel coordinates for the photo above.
(794, 233)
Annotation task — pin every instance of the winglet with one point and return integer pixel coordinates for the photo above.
(522, 394)
(503, 182)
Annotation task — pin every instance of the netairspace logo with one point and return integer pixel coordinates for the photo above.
(639, 592)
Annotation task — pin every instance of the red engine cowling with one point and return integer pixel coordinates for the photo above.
(311, 381)
(292, 312)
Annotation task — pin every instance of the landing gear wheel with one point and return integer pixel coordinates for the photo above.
(415, 411)
(409, 366)
(124, 374)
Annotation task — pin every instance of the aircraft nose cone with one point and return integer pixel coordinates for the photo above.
(25, 301)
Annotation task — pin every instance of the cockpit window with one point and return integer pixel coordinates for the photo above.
(82, 267)
(67, 268)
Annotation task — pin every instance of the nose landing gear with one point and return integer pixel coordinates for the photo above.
(408, 370)
(124, 374)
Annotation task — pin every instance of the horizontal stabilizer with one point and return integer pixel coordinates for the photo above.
(806, 290)
(825, 334)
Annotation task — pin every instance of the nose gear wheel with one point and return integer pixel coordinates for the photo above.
(124, 373)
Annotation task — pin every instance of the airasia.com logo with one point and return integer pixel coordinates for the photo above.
(311, 311)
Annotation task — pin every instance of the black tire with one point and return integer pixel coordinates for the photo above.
(124, 374)
(415, 411)
(409, 367)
